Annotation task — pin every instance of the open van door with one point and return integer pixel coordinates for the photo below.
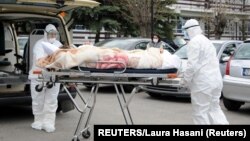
(53, 6)
(61, 8)
(87, 3)
(19, 18)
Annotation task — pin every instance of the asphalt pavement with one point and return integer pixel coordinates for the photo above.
(15, 120)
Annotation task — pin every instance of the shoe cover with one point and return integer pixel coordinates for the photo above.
(49, 128)
(38, 121)
(49, 122)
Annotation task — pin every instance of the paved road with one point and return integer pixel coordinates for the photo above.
(15, 121)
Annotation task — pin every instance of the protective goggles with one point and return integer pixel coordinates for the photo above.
(190, 27)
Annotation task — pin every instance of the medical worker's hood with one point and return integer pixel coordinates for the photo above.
(192, 27)
(190, 23)
(49, 28)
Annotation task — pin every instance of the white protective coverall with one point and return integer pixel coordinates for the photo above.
(203, 77)
(44, 103)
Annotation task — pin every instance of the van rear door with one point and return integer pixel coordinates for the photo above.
(52, 7)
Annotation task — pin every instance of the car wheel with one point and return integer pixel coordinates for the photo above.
(155, 95)
(65, 106)
(88, 85)
(232, 105)
(59, 108)
(128, 88)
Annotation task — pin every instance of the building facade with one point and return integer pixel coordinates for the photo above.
(82, 36)
(234, 15)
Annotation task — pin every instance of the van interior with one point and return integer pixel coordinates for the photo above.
(14, 67)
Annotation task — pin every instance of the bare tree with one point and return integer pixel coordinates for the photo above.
(223, 13)
(220, 22)
(139, 12)
(217, 21)
(243, 27)
(219, 18)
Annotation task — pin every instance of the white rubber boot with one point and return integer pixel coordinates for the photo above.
(38, 122)
(49, 122)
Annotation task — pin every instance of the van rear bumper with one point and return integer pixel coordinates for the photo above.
(26, 99)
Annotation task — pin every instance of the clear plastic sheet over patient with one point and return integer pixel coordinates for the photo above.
(96, 57)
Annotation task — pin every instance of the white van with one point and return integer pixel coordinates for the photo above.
(29, 18)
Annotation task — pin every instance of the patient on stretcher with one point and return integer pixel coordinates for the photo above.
(96, 57)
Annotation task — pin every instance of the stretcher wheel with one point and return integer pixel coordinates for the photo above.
(76, 139)
(49, 85)
(39, 88)
(86, 134)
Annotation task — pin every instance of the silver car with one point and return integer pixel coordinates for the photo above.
(224, 49)
(131, 44)
(236, 90)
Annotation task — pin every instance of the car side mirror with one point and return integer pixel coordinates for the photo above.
(224, 59)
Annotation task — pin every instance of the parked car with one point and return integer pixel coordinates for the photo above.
(25, 17)
(179, 41)
(223, 49)
(236, 89)
(131, 43)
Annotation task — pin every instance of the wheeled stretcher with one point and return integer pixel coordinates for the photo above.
(116, 77)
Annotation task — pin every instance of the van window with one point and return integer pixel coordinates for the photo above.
(2, 40)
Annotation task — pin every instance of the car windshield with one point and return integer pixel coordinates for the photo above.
(217, 46)
(179, 41)
(130, 44)
(243, 52)
(123, 44)
(182, 52)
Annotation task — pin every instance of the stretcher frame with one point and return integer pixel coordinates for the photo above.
(117, 79)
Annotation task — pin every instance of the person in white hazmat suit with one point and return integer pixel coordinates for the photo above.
(203, 77)
(44, 103)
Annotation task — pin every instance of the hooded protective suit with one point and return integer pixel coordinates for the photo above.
(44, 103)
(203, 77)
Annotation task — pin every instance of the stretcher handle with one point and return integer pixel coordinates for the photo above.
(178, 74)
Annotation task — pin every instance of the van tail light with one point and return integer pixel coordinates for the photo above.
(37, 72)
(172, 75)
(228, 66)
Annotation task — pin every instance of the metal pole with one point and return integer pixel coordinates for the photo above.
(152, 17)
(236, 30)
(243, 21)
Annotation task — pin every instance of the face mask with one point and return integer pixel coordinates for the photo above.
(155, 40)
(186, 35)
(52, 40)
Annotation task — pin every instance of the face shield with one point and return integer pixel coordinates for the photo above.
(186, 37)
(51, 33)
(190, 28)
(51, 36)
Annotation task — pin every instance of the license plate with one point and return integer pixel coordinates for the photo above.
(246, 72)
